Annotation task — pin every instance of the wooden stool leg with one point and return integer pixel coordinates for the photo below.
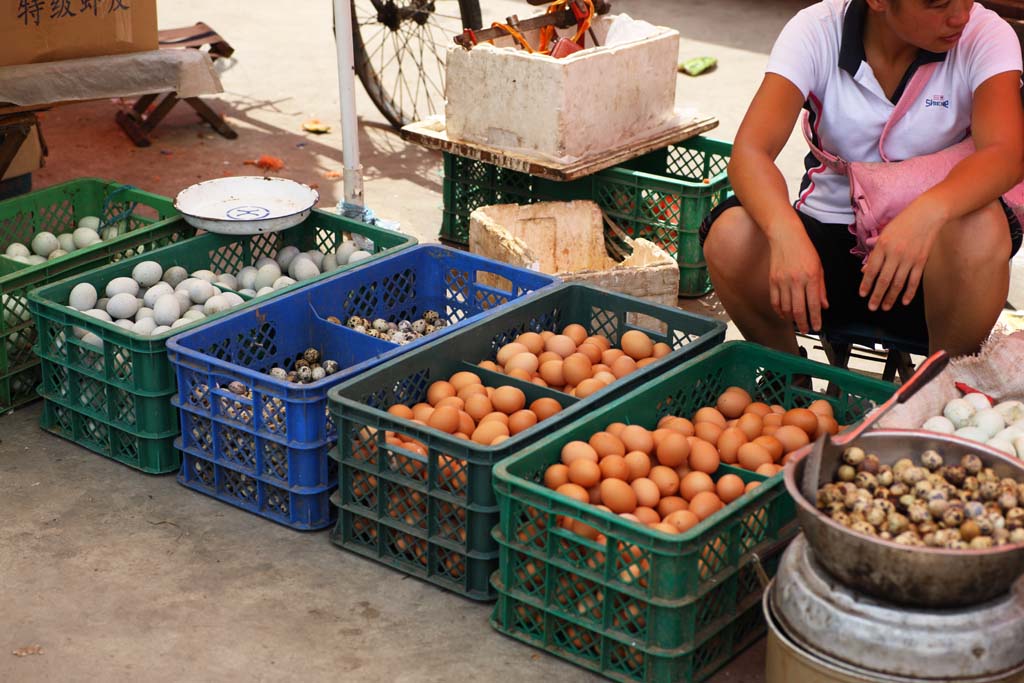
(212, 117)
(138, 111)
(139, 130)
(838, 356)
(12, 134)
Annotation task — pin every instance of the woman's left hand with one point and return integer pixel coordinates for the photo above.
(897, 262)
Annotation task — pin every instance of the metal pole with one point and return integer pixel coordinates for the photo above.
(347, 89)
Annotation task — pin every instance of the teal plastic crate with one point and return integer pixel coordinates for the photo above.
(662, 196)
(125, 387)
(141, 220)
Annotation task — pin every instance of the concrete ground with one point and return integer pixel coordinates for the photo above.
(123, 576)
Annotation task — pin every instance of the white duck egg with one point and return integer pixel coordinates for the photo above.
(959, 412)
(184, 300)
(89, 223)
(122, 284)
(36, 259)
(329, 263)
(266, 276)
(316, 256)
(155, 292)
(167, 309)
(347, 248)
(216, 304)
(92, 340)
(1012, 411)
(175, 275)
(145, 326)
(196, 307)
(233, 299)
(102, 303)
(247, 277)
(939, 424)
(83, 296)
(972, 433)
(44, 243)
(285, 257)
(181, 322)
(147, 273)
(1004, 445)
(143, 313)
(978, 400)
(17, 249)
(204, 274)
(122, 306)
(227, 280)
(264, 261)
(247, 292)
(264, 290)
(305, 270)
(56, 253)
(200, 291)
(159, 330)
(108, 233)
(988, 420)
(84, 237)
(298, 262)
(359, 256)
(282, 282)
(125, 325)
(194, 315)
(67, 241)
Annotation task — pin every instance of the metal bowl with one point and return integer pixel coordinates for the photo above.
(910, 575)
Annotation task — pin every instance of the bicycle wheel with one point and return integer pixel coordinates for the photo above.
(399, 52)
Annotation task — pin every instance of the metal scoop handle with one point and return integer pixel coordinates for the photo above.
(928, 371)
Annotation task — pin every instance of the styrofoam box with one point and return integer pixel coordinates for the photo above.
(569, 108)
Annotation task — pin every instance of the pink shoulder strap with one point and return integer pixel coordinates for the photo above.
(910, 94)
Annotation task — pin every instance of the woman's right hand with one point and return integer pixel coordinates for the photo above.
(796, 278)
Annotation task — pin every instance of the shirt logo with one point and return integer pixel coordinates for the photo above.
(937, 101)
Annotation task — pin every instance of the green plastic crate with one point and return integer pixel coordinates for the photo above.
(660, 595)
(140, 218)
(116, 400)
(445, 538)
(661, 196)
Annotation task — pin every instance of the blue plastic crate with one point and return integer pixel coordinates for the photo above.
(277, 432)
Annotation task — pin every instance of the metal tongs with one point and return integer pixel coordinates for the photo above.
(826, 453)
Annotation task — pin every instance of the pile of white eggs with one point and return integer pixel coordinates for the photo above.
(974, 417)
(46, 246)
(154, 301)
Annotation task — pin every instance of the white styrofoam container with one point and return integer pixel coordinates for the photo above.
(562, 109)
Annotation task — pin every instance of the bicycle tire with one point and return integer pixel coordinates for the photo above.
(370, 65)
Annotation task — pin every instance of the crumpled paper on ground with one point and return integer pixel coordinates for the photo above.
(189, 73)
(997, 370)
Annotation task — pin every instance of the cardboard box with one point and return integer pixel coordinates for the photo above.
(51, 30)
(567, 239)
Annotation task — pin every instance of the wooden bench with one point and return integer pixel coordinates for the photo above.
(139, 121)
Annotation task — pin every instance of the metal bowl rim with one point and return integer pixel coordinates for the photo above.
(798, 496)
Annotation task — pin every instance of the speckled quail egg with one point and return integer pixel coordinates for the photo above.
(380, 325)
(305, 373)
(279, 373)
(331, 366)
(419, 326)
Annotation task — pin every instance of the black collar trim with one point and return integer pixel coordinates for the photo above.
(851, 49)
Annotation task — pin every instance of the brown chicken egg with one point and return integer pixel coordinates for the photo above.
(669, 504)
(445, 419)
(533, 342)
(526, 362)
(752, 455)
(752, 425)
(576, 450)
(545, 407)
(609, 356)
(673, 450)
(637, 438)
(478, 405)
(729, 487)
(618, 496)
(708, 431)
(647, 493)
(562, 345)
(556, 475)
(772, 445)
(508, 399)
(399, 410)
(683, 520)
(438, 391)
(614, 467)
(598, 341)
(553, 372)
(490, 365)
(694, 483)
(666, 479)
(705, 504)
(703, 457)
(622, 366)
(584, 472)
(520, 421)
(681, 425)
(637, 345)
(486, 432)
(821, 407)
(733, 402)
(588, 387)
(422, 412)
(591, 351)
(508, 351)
(574, 491)
(729, 442)
(576, 368)
(606, 443)
(711, 415)
(576, 332)
(639, 464)
(758, 408)
(802, 418)
(792, 437)
(647, 515)
(661, 349)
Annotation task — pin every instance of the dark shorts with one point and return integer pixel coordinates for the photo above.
(843, 276)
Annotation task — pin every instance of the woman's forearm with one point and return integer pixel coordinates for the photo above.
(762, 190)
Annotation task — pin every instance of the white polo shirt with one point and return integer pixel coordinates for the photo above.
(821, 51)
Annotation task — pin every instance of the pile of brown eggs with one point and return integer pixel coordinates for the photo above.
(648, 477)
(463, 407)
(573, 362)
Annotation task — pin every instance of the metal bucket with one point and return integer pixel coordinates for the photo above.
(820, 631)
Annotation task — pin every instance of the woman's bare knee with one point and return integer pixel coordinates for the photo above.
(734, 244)
(980, 239)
